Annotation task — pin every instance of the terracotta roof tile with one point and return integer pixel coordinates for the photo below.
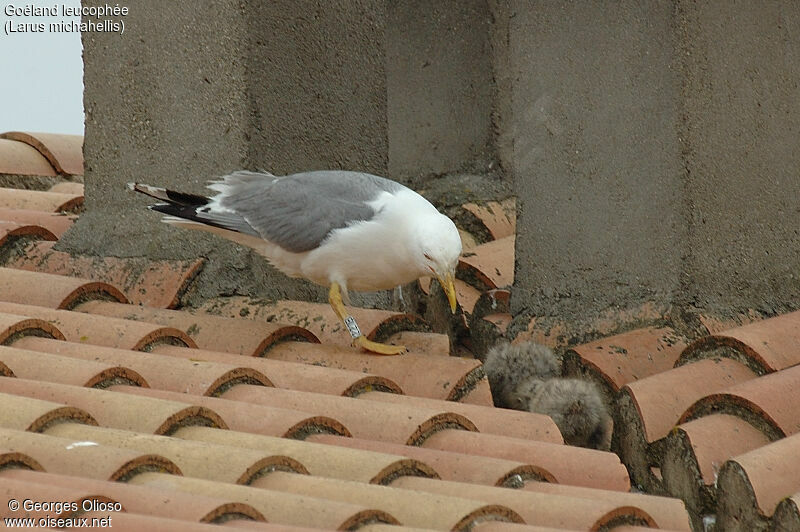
(13, 198)
(70, 499)
(489, 265)
(422, 342)
(715, 324)
(242, 337)
(64, 152)
(136, 368)
(320, 460)
(696, 450)
(137, 499)
(766, 345)
(13, 327)
(90, 373)
(646, 410)
(52, 291)
(222, 463)
(145, 282)
(292, 375)
(410, 507)
(752, 484)
(568, 465)
(115, 410)
(276, 506)
(364, 419)
(98, 330)
(497, 218)
(617, 360)
(318, 318)
(68, 187)
(83, 459)
(668, 513)
(770, 403)
(10, 232)
(513, 423)
(57, 224)
(537, 508)
(34, 415)
(450, 378)
(13, 460)
(787, 514)
(253, 418)
(17, 158)
(449, 465)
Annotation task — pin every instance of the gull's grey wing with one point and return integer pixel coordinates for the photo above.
(298, 211)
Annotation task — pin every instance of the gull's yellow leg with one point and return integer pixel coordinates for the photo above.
(335, 299)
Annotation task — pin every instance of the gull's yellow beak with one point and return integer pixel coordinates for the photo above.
(449, 287)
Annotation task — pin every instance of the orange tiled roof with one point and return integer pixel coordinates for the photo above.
(242, 413)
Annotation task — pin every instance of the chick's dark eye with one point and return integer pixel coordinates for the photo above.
(427, 256)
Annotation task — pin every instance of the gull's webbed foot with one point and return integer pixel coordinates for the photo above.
(379, 349)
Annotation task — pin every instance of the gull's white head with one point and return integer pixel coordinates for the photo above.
(438, 249)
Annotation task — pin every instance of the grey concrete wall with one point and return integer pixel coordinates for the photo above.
(595, 156)
(740, 66)
(439, 88)
(652, 144)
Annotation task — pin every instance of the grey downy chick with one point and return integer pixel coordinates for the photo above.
(574, 405)
(507, 366)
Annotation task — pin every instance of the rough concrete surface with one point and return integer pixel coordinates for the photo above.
(652, 145)
(595, 158)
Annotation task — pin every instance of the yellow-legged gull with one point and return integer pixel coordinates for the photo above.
(344, 230)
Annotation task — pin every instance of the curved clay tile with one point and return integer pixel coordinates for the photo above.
(770, 403)
(33, 365)
(450, 378)
(277, 507)
(11, 231)
(451, 466)
(68, 187)
(766, 346)
(21, 491)
(63, 152)
(186, 375)
(487, 419)
(318, 318)
(138, 499)
(365, 419)
(52, 291)
(84, 459)
(646, 410)
(752, 484)
(257, 419)
(320, 460)
(14, 327)
(293, 375)
(115, 410)
(488, 266)
(432, 344)
(99, 330)
(57, 224)
(18, 158)
(35, 415)
(538, 509)
(787, 514)
(569, 465)
(237, 336)
(144, 281)
(497, 219)
(667, 512)
(220, 463)
(617, 360)
(17, 461)
(695, 451)
(35, 200)
(412, 508)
